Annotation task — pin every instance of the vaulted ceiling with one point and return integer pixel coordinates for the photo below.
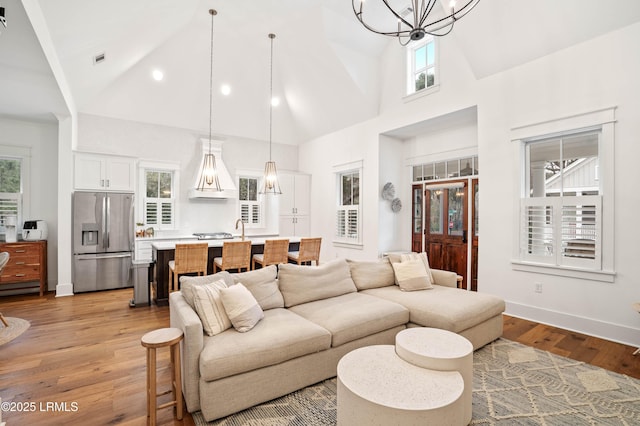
(326, 66)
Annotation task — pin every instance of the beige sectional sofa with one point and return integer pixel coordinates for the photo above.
(312, 317)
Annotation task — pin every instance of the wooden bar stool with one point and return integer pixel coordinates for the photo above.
(235, 255)
(188, 258)
(309, 251)
(275, 253)
(153, 340)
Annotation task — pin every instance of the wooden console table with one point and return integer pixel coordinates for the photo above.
(27, 263)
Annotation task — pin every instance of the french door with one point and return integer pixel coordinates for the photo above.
(447, 240)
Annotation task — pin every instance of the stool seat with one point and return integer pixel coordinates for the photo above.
(171, 338)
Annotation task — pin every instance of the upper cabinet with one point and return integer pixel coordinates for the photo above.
(103, 172)
(294, 204)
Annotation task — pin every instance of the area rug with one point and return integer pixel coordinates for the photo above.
(513, 384)
(17, 326)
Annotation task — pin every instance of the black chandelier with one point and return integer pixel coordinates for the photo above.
(414, 20)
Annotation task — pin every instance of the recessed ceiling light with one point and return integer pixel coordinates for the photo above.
(275, 101)
(158, 75)
(225, 89)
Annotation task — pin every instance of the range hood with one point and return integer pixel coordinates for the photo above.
(226, 182)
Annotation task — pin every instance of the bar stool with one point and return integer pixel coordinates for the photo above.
(235, 255)
(153, 340)
(275, 253)
(309, 251)
(188, 258)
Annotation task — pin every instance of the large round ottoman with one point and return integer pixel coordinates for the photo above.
(440, 350)
(377, 387)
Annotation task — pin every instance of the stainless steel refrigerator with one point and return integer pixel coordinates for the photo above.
(103, 240)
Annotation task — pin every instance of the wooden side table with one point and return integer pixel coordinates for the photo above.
(163, 337)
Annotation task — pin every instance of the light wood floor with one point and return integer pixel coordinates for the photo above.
(86, 349)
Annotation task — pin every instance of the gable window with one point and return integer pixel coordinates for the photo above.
(421, 65)
(10, 190)
(348, 210)
(566, 192)
(249, 202)
(158, 189)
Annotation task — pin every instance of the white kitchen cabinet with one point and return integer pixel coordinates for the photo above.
(104, 172)
(294, 204)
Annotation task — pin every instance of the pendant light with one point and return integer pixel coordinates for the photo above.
(208, 180)
(271, 185)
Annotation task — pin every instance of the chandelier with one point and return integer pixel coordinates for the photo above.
(208, 179)
(270, 181)
(411, 21)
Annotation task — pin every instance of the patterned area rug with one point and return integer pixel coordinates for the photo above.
(513, 384)
(17, 326)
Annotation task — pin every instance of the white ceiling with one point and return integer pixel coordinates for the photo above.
(325, 64)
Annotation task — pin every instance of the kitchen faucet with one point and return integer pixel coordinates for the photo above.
(239, 221)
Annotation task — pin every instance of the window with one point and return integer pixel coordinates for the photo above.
(562, 204)
(348, 215)
(460, 167)
(159, 202)
(566, 192)
(10, 190)
(158, 192)
(421, 65)
(250, 203)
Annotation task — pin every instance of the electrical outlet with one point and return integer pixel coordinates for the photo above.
(538, 287)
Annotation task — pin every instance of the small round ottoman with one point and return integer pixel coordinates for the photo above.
(377, 387)
(440, 350)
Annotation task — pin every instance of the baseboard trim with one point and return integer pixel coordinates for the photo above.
(589, 326)
(64, 290)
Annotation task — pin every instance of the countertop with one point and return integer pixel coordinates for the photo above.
(171, 244)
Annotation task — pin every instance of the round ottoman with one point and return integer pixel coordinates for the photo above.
(440, 350)
(376, 387)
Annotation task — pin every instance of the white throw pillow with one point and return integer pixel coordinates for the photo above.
(208, 305)
(422, 257)
(262, 283)
(242, 308)
(187, 282)
(411, 275)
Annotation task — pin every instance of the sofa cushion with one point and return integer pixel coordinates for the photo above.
(241, 307)
(371, 274)
(352, 316)
(208, 305)
(262, 283)
(423, 258)
(187, 283)
(280, 336)
(302, 284)
(448, 308)
(411, 275)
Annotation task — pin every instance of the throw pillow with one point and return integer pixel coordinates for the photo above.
(209, 307)
(187, 283)
(302, 284)
(262, 283)
(242, 308)
(411, 275)
(371, 274)
(422, 257)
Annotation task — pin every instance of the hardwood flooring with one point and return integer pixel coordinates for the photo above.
(85, 351)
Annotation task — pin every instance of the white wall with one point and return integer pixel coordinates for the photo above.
(594, 75)
(561, 85)
(42, 202)
(183, 146)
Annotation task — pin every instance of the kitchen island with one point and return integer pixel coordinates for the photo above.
(164, 251)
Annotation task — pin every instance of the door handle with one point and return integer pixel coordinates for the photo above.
(464, 235)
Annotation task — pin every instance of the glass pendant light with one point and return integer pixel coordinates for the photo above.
(208, 180)
(270, 181)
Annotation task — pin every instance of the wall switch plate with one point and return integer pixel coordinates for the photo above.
(538, 287)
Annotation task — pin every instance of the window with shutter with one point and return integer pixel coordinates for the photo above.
(250, 203)
(348, 211)
(10, 190)
(159, 202)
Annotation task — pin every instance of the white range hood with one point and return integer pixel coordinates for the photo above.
(227, 184)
